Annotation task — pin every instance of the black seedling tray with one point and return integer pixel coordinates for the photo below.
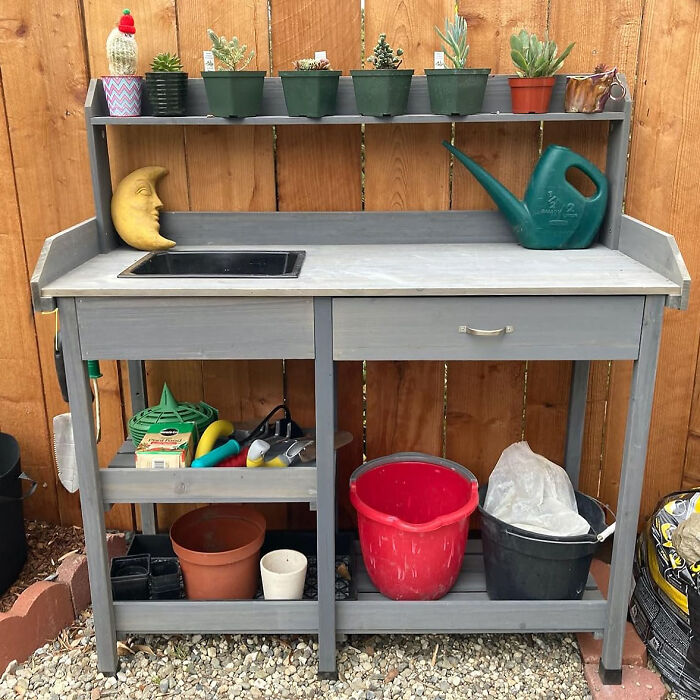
(129, 576)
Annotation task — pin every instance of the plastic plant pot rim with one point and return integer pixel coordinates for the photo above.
(380, 72)
(209, 74)
(531, 82)
(431, 525)
(306, 74)
(457, 71)
(124, 77)
(292, 572)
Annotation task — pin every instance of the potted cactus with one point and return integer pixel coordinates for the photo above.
(122, 86)
(382, 92)
(166, 86)
(536, 62)
(456, 90)
(310, 90)
(233, 91)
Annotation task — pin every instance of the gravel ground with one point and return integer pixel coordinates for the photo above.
(231, 666)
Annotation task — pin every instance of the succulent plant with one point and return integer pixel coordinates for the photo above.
(166, 63)
(383, 56)
(454, 41)
(122, 51)
(534, 58)
(232, 54)
(312, 64)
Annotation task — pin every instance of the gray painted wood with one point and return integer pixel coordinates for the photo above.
(325, 474)
(576, 419)
(631, 481)
(387, 270)
(164, 329)
(433, 329)
(217, 616)
(496, 107)
(91, 504)
(659, 252)
(60, 254)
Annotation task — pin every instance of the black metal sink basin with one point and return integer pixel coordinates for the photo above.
(218, 263)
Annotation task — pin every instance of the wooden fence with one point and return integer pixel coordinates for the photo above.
(468, 411)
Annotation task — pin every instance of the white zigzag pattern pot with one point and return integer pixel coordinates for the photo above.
(123, 93)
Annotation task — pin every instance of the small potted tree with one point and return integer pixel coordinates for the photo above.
(166, 86)
(536, 62)
(382, 92)
(456, 90)
(233, 91)
(122, 86)
(311, 89)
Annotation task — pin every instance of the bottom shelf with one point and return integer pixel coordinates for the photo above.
(466, 609)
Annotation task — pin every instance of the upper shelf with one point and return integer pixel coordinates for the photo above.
(496, 107)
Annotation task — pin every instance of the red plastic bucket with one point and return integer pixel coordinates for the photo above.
(413, 517)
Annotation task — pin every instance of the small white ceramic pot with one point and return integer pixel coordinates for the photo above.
(283, 574)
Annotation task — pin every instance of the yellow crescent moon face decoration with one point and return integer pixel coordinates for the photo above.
(136, 209)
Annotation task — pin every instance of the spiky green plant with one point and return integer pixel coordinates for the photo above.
(312, 64)
(534, 58)
(166, 63)
(383, 56)
(232, 54)
(454, 41)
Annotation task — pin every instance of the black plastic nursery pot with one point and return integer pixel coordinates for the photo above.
(233, 93)
(166, 579)
(524, 565)
(383, 92)
(129, 576)
(456, 91)
(166, 93)
(310, 93)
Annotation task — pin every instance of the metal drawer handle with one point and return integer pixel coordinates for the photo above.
(483, 332)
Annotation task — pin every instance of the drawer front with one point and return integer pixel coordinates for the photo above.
(483, 328)
(176, 328)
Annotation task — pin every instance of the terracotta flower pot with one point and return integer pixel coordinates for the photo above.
(530, 95)
(219, 551)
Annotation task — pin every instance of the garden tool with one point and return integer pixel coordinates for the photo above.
(554, 214)
(213, 457)
(280, 453)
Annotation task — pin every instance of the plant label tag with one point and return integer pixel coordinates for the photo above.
(208, 60)
(439, 59)
(320, 56)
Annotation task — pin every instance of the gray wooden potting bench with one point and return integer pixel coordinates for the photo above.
(430, 285)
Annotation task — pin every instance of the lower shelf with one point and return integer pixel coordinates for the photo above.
(467, 609)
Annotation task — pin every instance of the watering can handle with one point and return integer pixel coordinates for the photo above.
(585, 166)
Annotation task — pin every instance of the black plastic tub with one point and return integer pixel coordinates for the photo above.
(523, 565)
(166, 579)
(155, 545)
(129, 576)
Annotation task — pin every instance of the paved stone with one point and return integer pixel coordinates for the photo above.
(637, 684)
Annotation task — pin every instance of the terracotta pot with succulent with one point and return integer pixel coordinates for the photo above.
(166, 86)
(311, 89)
(233, 91)
(536, 62)
(122, 87)
(382, 92)
(456, 90)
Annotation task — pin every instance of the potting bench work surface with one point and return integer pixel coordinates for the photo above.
(374, 285)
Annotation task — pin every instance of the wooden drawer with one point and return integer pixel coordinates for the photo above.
(440, 328)
(177, 328)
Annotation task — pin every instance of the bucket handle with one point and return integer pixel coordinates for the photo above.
(32, 489)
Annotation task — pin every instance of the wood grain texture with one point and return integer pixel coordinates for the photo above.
(42, 55)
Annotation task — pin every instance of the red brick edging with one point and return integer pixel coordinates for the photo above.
(46, 607)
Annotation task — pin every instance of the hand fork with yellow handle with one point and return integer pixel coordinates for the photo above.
(280, 454)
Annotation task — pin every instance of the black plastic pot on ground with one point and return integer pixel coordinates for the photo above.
(383, 92)
(233, 93)
(167, 93)
(310, 93)
(456, 91)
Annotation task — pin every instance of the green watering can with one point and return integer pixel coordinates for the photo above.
(554, 214)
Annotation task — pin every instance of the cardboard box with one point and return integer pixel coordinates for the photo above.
(166, 446)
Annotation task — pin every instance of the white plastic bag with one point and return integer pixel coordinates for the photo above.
(530, 492)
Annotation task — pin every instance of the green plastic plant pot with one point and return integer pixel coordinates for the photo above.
(310, 93)
(166, 93)
(234, 93)
(456, 91)
(383, 92)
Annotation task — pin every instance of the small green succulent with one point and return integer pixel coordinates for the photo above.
(454, 41)
(232, 54)
(383, 56)
(534, 58)
(166, 63)
(312, 64)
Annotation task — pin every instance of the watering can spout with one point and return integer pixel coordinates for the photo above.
(510, 206)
